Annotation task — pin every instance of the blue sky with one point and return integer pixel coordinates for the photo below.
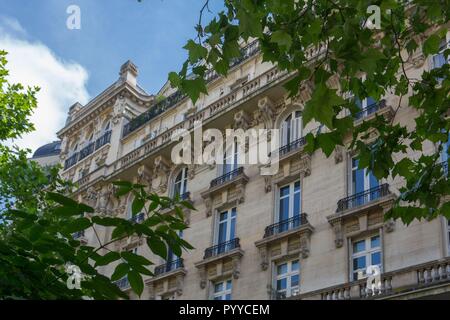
(151, 34)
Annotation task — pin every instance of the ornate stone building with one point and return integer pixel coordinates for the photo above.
(307, 232)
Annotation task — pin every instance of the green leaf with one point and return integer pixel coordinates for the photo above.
(136, 282)
(59, 198)
(107, 258)
(431, 45)
(78, 225)
(134, 259)
(157, 246)
(120, 271)
(282, 38)
(137, 205)
(196, 51)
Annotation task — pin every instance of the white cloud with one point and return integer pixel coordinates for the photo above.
(62, 82)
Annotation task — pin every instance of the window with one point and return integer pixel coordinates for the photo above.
(287, 279)
(180, 185)
(222, 290)
(438, 60)
(172, 261)
(367, 107)
(107, 126)
(289, 204)
(230, 158)
(226, 228)
(362, 180)
(365, 252)
(291, 128)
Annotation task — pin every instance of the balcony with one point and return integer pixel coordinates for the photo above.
(379, 108)
(222, 248)
(294, 145)
(235, 180)
(71, 161)
(104, 139)
(362, 211)
(363, 198)
(286, 225)
(168, 267)
(414, 282)
(227, 177)
(295, 232)
(86, 151)
(221, 260)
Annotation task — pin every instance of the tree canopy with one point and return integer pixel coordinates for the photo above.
(366, 62)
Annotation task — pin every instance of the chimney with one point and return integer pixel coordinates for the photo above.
(128, 73)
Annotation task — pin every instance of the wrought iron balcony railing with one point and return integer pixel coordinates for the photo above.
(286, 225)
(86, 151)
(222, 248)
(160, 107)
(363, 198)
(292, 146)
(374, 107)
(104, 139)
(71, 161)
(169, 266)
(122, 283)
(137, 218)
(227, 177)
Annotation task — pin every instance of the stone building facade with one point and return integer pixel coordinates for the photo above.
(307, 232)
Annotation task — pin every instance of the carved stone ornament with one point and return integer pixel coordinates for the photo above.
(161, 171)
(338, 234)
(119, 109)
(267, 184)
(264, 257)
(144, 175)
(338, 154)
(267, 112)
(203, 280)
(305, 165)
(241, 120)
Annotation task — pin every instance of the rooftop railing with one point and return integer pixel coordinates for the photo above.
(164, 105)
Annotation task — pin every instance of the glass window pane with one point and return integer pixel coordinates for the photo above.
(282, 284)
(218, 287)
(359, 246)
(375, 242)
(295, 265)
(228, 296)
(218, 298)
(294, 280)
(296, 204)
(229, 284)
(359, 263)
(284, 209)
(282, 269)
(376, 258)
(284, 191)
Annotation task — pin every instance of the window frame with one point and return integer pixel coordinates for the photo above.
(291, 196)
(367, 253)
(225, 292)
(183, 174)
(229, 220)
(286, 124)
(288, 275)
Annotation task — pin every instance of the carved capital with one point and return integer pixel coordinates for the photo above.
(264, 257)
(203, 280)
(241, 120)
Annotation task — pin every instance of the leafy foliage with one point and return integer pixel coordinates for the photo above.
(365, 62)
(38, 219)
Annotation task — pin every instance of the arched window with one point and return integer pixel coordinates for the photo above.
(291, 128)
(180, 183)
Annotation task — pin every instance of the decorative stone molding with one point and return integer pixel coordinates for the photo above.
(144, 176)
(101, 156)
(161, 171)
(104, 199)
(267, 112)
(90, 196)
(191, 171)
(338, 154)
(338, 234)
(267, 184)
(300, 235)
(241, 120)
(119, 109)
(389, 225)
(213, 268)
(162, 281)
(305, 165)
